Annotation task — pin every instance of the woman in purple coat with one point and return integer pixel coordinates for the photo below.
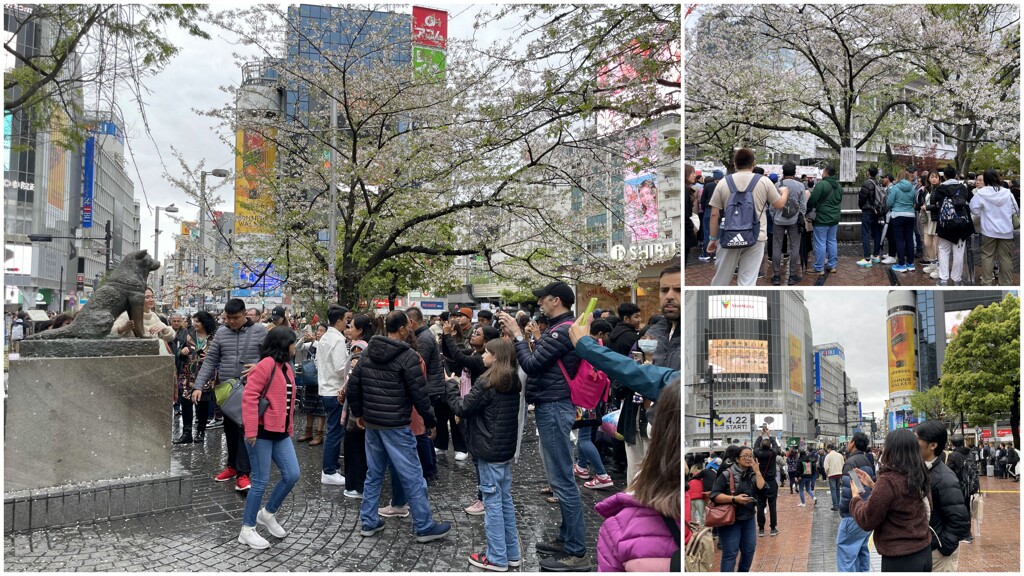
(641, 530)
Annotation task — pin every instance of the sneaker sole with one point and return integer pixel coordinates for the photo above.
(549, 552)
(215, 479)
(490, 567)
(588, 568)
(481, 513)
(237, 489)
(253, 546)
(599, 486)
(406, 515)
(354, 497)
(432, 537)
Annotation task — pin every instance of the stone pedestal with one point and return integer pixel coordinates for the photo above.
(74, 421)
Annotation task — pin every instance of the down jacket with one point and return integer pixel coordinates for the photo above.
(460, 361)
(633, 538)
(950, 518)
(856, 460)
(547, 383)
(386, 383)
(230, 351)
(432, 358)
(491, 418)
(667, 353)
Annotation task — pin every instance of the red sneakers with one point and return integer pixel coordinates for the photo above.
(242, 484)
(226, 475)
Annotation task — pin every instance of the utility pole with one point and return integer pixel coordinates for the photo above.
(710, 379)
(846, 416)
(106, 240)
(332, 232)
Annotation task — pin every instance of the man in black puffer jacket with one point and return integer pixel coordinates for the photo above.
(382, 390)
(548, 391)
(950, 520)
(852, 554)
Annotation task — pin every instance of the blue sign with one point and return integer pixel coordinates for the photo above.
(432, 305)
(817, 378)
(249, 282)
(110, 129)
(88, 177)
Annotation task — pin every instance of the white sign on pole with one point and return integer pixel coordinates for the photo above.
(725, 423)
(847, 164)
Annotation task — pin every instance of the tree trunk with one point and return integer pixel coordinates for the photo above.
(347, 294)
(1015, 416)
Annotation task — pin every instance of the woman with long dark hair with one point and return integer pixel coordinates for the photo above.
(896, 505)
(359, 331)
(737, 486)
(268, 436)
(195, 401)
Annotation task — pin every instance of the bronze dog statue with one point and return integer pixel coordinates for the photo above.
(125, 289)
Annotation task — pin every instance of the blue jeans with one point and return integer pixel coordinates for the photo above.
(852, 553)
(335, 433)
(706, 219)
(499, 515)
(825, 240)
(903, 231)
(834, 485)
(428, 459)
(554, 422)
(806, 485)
(398, 497)
(398, 446)
(738, 539)
(282, 453)
(870, 234)
(587, 452)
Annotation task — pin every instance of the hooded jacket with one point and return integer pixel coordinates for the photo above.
(230, 351)
(996, 207)
(950, 518)
(547, 383)
(827, 199)
(622, 338)
(901, 198)
(432, 358)
(633, 537)
(856, 460)
(866, 196)
(491, 418)
(385, 385)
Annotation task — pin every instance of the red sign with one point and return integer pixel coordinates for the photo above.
(429, 27)
(80, 278)
(987, 433)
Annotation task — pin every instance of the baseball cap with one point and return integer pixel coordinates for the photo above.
(278, 312)
(560, 290)
(464, 311)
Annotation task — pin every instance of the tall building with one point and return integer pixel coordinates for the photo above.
(831, 390)
(758, 347)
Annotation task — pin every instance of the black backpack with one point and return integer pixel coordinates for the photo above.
(792, 207)
(968, 476)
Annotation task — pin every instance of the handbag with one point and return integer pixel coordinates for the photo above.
(232, 406)
(610, 425)
(719, 515)
(1015, 218)
(309, 373)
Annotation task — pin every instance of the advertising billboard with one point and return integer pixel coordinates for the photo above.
(427, 61)
(900, 344)
(254, 167)
(88, 180)
(903, 419)
(773, 421)
(737, 306)
(248, 282)
(725, 423)
(429, 27)
(56, 165)
(737, 361)
(796, 365)
(953, 321)
(639, 188)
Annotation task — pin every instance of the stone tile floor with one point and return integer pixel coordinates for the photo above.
(323, 525)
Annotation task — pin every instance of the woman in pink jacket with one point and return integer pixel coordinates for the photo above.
(641, 530)
(268, 435)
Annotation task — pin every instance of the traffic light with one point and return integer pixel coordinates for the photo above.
(817, 428)
(40, 237)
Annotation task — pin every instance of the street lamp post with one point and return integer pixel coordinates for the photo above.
(172, 209)
(219, 173)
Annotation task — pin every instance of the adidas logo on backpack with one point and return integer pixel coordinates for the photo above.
(737, 242)
(742, 221)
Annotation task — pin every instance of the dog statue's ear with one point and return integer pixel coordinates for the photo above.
(141, 255)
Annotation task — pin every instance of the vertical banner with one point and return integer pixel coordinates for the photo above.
(640, 191)
(88, 177)
(429, 42)
(254, 167)
(796, 365)
(817, 377)
(901, 353)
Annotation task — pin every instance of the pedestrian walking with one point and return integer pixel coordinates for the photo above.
(834, 471)
(950, 519)
(332, 367)
(895, 505)
(767, 460)
(739, 538)
(809, 473)
(268, 436)
(491, 414)
(310, 403)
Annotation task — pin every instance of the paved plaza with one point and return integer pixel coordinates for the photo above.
(807, 536)
(323, 525)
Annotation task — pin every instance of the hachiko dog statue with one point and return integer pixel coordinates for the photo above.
(125, 289)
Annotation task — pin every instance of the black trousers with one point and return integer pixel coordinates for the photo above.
(445, 417)
(768, 500)
(355, 459)
(916, 562)
(238, 456)
(200, 409)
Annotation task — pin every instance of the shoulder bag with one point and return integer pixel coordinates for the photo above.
(722, 514)
(232, 406)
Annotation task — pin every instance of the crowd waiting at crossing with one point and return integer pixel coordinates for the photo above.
(740, 220)
(918, 498)
(385, 396)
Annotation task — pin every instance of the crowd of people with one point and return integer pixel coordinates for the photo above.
(926, 217)
(915, 498)
(386, 396)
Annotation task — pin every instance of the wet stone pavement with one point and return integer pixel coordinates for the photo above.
(323, 525)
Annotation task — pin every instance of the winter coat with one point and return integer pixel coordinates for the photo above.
(826, 198)
(897, 517)
(996, 208)
(667, 353)
(856, 460)
(633, 538)
(547, 383)
(948, 189)
(950, 518)
(459, 360)
(866, 196)
(622, 338)
(280, 413)
(385, 385)
(432, 358)
(900, 201)
(491, 418)
(149, 319)
(230, 351)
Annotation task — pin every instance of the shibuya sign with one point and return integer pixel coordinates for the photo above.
(645, 251)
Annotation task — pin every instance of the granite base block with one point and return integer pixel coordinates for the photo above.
(72, 348)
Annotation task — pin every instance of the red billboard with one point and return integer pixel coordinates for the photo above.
(429, 27)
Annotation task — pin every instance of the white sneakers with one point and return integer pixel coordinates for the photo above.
(335, 479)
(250, 537)
(264, 518)
(353, 494)
(889, 260)
(461, 456)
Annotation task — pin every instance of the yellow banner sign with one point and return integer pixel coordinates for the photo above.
(254, 169)
(796, 366)
(900, 332)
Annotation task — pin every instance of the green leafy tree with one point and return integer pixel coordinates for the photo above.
(929, 403)
(981, 372)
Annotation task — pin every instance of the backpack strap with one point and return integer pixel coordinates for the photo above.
(675, 562)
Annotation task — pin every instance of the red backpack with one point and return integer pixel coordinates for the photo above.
(590, 387)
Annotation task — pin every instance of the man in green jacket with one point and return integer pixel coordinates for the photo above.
(826, 199)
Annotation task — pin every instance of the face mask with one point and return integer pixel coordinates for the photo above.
(647, 346)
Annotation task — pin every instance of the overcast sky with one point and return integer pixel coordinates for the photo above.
(192, 81)
(855, 319)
